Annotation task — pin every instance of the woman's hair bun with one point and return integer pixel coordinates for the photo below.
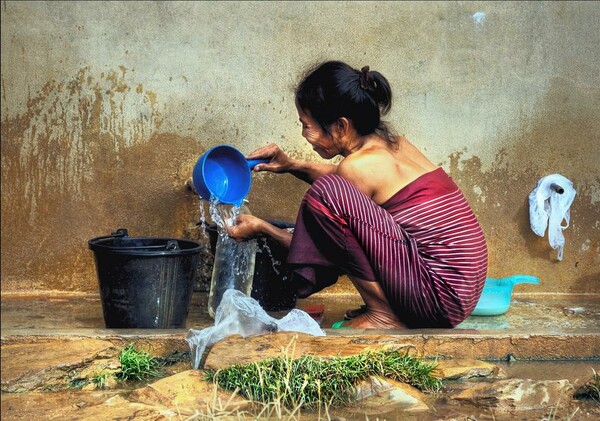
(334, 89)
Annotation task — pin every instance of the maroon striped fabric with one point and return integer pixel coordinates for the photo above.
(424, 246)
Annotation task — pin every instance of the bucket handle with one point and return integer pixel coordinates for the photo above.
(518, 279)
(523, 279)
(119, 233)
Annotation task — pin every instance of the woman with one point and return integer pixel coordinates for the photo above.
(388, 218)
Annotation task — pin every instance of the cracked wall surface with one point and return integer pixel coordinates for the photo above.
(107, 106)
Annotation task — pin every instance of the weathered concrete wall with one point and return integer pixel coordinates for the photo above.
(107, 106)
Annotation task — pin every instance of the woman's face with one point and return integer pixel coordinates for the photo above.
(321, 141)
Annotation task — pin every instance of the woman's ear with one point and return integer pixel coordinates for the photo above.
(342, 126)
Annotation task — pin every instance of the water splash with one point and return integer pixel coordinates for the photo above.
(223, 214)
(234, 261)
(264, 247)
(202, 222)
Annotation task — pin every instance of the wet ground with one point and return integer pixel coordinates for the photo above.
(552, 313)
(541, 327)
(543, 337)
(37, 405)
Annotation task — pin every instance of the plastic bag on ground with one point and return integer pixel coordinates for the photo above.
(242, 315)
(548, 208)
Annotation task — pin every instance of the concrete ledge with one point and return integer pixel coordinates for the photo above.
(578, 345)
(541, 327)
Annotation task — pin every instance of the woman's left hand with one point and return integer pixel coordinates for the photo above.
(246, 227)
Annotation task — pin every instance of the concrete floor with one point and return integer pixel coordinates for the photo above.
(537, 326)
(541, 337)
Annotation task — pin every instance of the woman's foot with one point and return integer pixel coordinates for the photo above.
(352, 313)
(378, 314)
(371, 319)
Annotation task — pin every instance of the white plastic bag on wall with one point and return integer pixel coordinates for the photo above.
(549, 204)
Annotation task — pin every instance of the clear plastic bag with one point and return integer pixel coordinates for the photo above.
(242, 315)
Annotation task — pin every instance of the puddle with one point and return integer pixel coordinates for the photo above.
(574, 371)
(442, 408)
(38, 405)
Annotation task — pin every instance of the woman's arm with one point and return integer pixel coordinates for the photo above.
(279, 162)
(248, 227)
(280, 235)
(310, 171)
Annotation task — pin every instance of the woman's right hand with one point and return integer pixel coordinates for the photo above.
(279, 162)
(246, 227)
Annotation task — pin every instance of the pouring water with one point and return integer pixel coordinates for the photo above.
(234, 262)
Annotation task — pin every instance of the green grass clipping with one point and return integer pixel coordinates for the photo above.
(137, 364)
(313, 381)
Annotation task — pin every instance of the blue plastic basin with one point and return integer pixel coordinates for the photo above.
(224, 173)
(496, 295)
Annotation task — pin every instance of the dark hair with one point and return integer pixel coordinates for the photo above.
(333, 89)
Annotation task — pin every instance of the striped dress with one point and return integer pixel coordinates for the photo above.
(424, 246)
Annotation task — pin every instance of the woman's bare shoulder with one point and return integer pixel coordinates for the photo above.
(381, 171)
(366, 159)
(368, 169)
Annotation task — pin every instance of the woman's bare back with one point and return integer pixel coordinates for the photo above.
(380, 171)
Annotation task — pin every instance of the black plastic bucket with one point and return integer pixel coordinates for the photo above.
(271, 286)
(145, 282)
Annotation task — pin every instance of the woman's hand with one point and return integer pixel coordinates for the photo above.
(246, 228)
(279, 162)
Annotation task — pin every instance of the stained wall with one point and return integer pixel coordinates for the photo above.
(106, 106)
